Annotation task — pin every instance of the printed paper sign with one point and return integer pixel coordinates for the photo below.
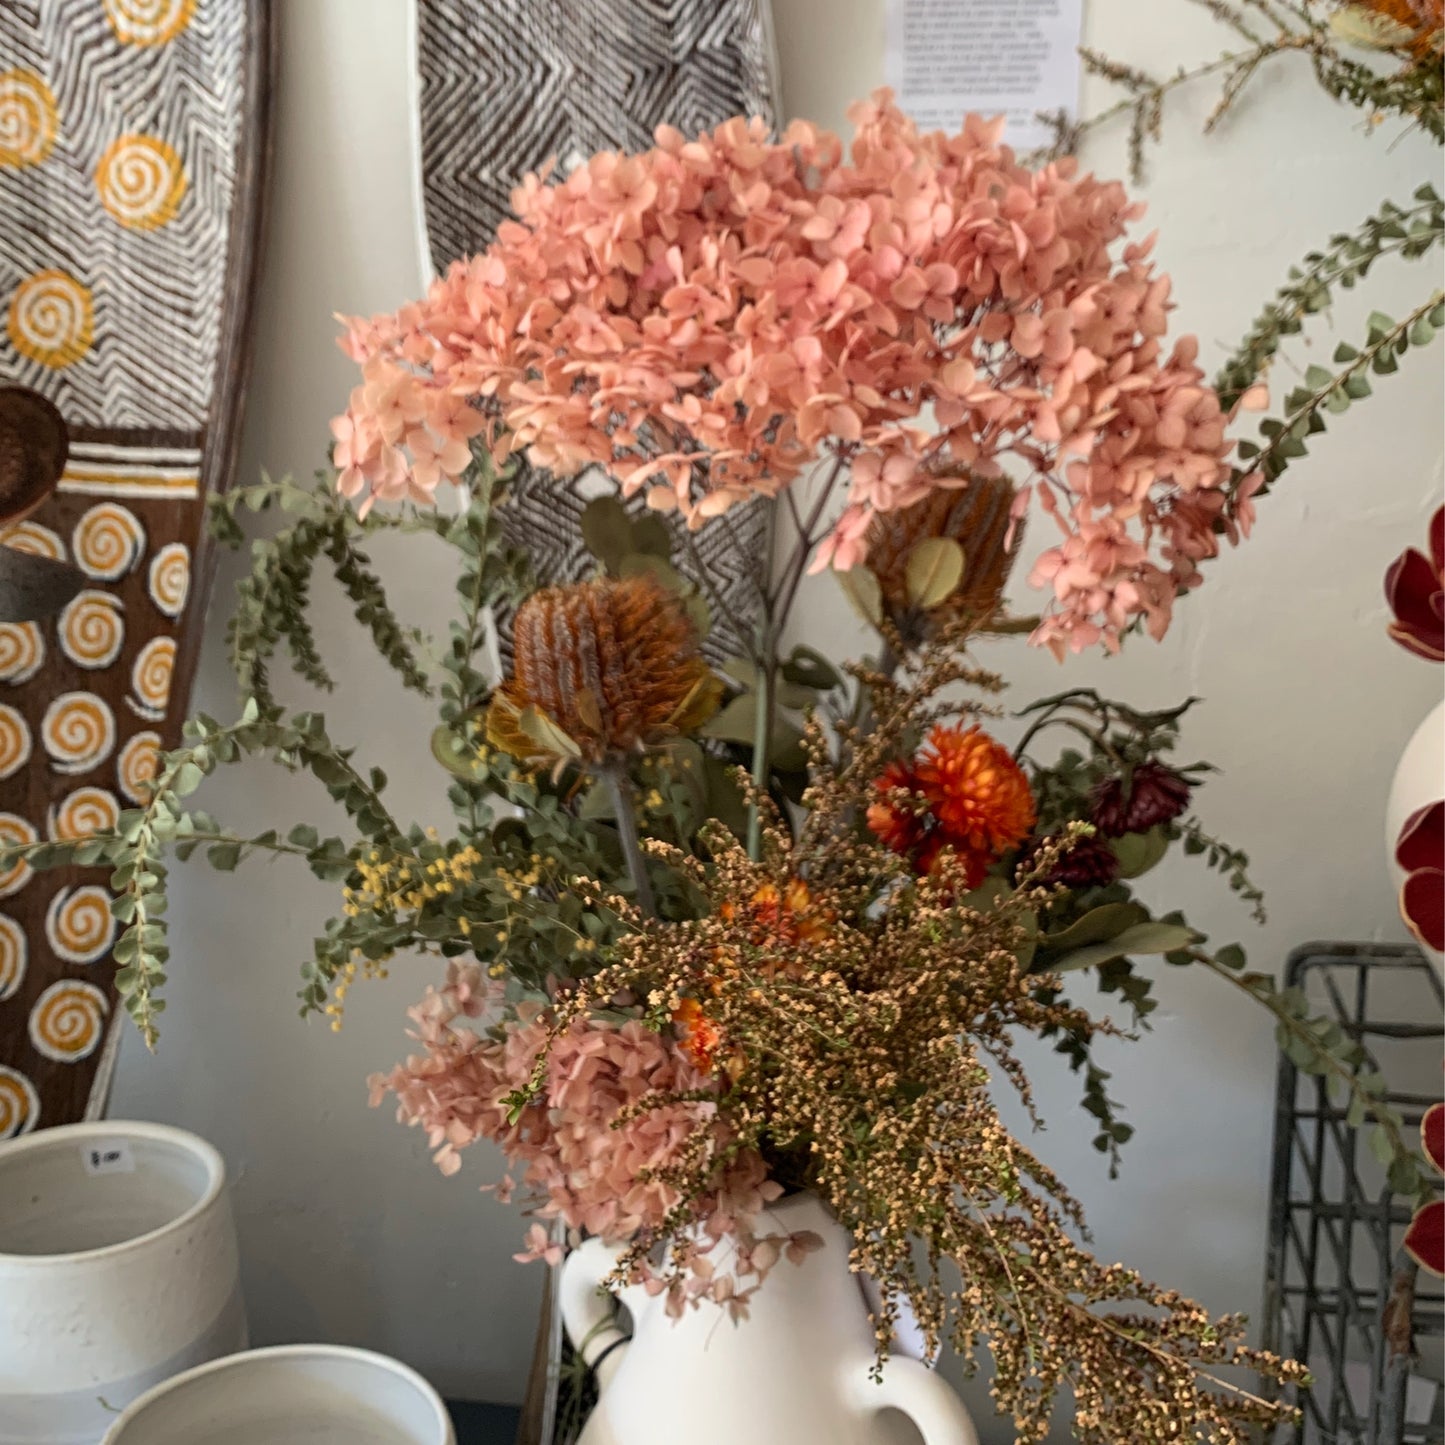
(1015, 58)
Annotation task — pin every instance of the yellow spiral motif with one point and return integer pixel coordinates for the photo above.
(79, 924)
(108, 541)
(83, 812)
(33, 538)
(141, 181)
(14, 955)
(136, 766)
(150, 678)
(78, 731)
(19, 1104)
(14, 741)
(90, 628)
(51, 319)
(22, 650)
(28, 119)
(170, 578)
(148, 22)
(68, 1021)
(15, 832)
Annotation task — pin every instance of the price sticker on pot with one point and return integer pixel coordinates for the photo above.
(111, 1157)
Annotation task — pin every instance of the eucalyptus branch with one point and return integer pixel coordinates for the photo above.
(1335, 391)
(1412, 231)
(1319, 1046)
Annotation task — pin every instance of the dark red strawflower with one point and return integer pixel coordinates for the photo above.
(1089, 863)
(1151, 795)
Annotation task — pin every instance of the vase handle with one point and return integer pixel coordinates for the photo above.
(589, 1314)
(911, 1388)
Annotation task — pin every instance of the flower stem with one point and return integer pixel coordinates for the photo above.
(763, 732)
(619, 785)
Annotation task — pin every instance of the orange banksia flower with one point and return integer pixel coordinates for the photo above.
(979, 518)
(601, 668)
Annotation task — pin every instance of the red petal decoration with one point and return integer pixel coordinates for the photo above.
(1422, 839)
(1425, 1238)
(1432, 1135)
(1415, 590)
(1422, 905)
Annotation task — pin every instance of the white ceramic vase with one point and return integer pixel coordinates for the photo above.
(1419, 779)
(290, 1395)
(795, 1372)
(118, 1268)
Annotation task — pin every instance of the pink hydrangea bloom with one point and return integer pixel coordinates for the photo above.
(707, 320)
(576, 1159)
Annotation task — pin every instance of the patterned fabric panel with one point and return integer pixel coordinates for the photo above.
(124, 160)
(507, 87)
(84, 700)
(119, 121)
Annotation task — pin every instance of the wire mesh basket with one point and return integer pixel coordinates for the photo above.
(1338, 1287)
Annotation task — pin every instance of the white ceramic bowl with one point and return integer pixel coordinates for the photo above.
(118, 1268)
(290, 1395)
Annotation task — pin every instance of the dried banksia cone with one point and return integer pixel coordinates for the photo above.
(601, 668)
(977, 518)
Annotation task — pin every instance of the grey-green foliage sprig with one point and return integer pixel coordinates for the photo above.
(1410, 231)
(273, 600)
(1328, 392)
(1318, 1046)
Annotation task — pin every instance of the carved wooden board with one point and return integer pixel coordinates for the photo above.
(133, 144)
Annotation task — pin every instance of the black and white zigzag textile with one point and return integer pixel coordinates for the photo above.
(505, 86)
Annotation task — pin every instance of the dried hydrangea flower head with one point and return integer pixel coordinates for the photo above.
(601, 668)
(708, 319)
(978, 516)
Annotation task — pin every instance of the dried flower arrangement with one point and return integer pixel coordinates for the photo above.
(711, 936)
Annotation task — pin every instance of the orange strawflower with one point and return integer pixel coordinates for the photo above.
(698, 1037)
(978, 803)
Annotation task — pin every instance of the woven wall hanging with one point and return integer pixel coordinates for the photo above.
(133, 144)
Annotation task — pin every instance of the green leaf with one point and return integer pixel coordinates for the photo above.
(223, 856)
(1139, 852)
(1096, 925)
(550, 738)
(607, 532)
(933, 572)
(809, 668)
(861, 588)
(1151, 937)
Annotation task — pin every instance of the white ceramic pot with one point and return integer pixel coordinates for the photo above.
(290, 1395)
(1420, 779)
(118, 1268)
(795, 1372)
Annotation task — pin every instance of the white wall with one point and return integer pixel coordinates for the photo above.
(348, 1232)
